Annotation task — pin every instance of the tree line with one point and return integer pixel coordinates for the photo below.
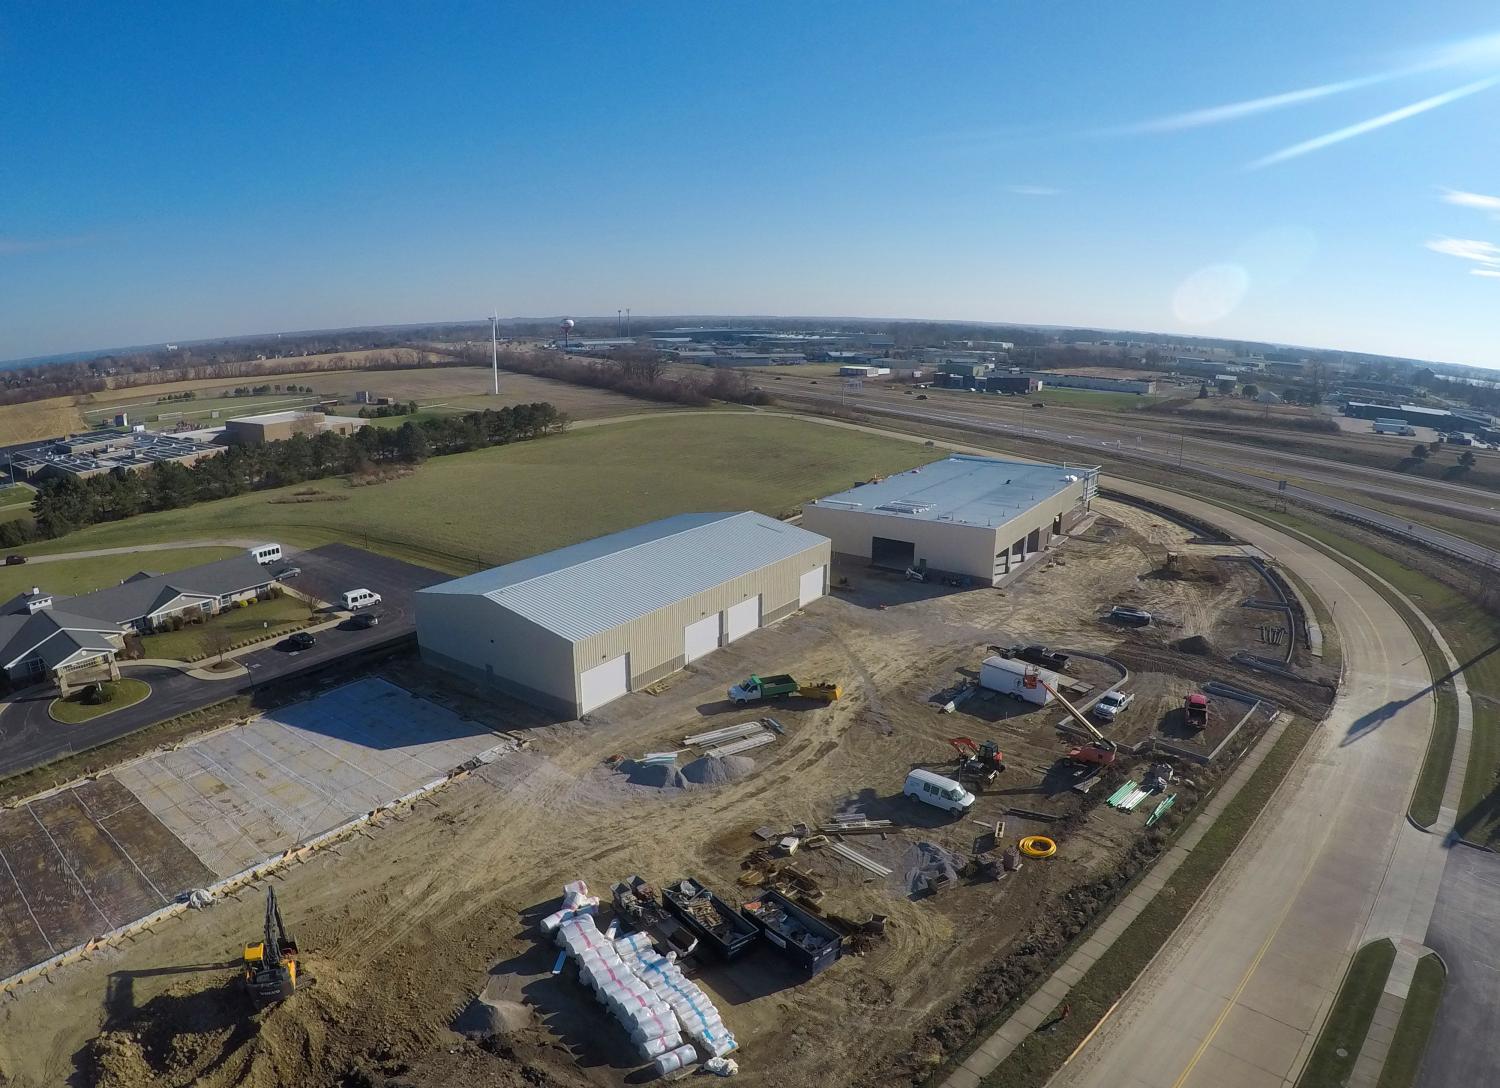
(66, 504)
(638, 372)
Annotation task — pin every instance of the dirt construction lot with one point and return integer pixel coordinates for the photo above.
(402, 927)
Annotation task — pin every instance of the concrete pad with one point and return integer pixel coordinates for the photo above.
(245, 794)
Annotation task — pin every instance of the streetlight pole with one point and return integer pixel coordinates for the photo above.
(495, 349)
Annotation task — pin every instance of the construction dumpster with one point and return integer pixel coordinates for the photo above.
(808, 941)
(717, 925)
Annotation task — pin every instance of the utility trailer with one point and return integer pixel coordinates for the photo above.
(719, 927)
(808, 941)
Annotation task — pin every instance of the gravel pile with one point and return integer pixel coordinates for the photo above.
(661, 776)
(1195, 644)
(717, 770)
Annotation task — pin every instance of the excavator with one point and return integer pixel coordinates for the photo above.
(271, 966)
(1102, 751)
(983, 762)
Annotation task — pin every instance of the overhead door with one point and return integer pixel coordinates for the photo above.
(811, 586)
(741, 619)
(892, 554)
(700, 638)
(602, 683)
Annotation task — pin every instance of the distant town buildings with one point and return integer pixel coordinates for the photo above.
(85, 455)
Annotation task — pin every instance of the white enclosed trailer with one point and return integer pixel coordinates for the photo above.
(1007, 675)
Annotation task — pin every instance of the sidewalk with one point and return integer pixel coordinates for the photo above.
(994, 1050)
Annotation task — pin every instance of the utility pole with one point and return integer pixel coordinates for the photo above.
(627, 321)
(495, 349)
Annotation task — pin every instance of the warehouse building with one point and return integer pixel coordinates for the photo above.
(279, 426)
(85, 455)
(978, 517)
(1059, 380)
(576, 628)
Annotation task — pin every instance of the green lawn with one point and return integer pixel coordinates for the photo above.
(1415, 1025)
(70, 577)
(492, 506)
(16, 495)
(120, 693)
(261, 619)
(1343, 1034)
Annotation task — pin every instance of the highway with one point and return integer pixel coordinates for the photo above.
(1151, 450)
(1235, 999)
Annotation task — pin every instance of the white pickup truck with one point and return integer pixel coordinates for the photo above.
(1111, 703)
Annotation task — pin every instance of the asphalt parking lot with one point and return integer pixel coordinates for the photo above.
(29, 737)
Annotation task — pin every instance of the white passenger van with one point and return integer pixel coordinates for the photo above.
(356, 599)
(937, 791)
(266, 553)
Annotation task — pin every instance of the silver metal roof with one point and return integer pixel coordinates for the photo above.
(600, 584)
(983, 491)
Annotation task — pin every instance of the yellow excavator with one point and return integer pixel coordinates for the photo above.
(271, 965)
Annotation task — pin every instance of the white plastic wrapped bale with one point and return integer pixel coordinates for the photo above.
(700, 1019)
(675, 1060)
(649, 1020)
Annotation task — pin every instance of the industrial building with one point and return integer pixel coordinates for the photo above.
(86, 455)
(1054, 380)
(278, 426)
(573, 629)
(978, 517)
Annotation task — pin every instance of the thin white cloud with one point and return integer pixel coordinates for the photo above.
(1233, 111)
(1372, 124)
(1480, 201)
(1492, 272)
(1485, 254)
(1034, 190)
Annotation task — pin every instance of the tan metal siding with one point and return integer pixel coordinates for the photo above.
(654, 642)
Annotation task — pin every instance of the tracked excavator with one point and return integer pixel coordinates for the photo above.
(271, 965)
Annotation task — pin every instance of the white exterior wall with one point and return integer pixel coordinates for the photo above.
(487, 644)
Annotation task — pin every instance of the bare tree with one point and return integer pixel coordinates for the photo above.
(216, 640)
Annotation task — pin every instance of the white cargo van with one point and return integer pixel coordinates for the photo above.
(266, 553)
(937, 791)
(356, 599)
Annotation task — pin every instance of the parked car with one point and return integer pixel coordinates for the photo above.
(1111, 703)
(939, 792)
(1130, 614)
(302, 640)
(364, 620)
(14, 560)
(290, 572)
(921, 396)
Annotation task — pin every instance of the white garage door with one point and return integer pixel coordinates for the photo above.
(741, 619)
(602, 683)
(700, 638)
(811, 587)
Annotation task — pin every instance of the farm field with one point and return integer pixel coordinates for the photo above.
(493, 506)
(70, 577)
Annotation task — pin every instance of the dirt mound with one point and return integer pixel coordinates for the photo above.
(717, 770)
(1197, 645)
(661, 776)
(485, 1018)
(926, 862)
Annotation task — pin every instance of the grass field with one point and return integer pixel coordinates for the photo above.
(1343, 1034)
(70, 577)
(1415, 1025)
(16, 495)
(121, 693)
(455, 513)
(261, 619)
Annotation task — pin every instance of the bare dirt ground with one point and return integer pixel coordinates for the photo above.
(404, 925)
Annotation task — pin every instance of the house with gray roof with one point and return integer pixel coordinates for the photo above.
(42, 636)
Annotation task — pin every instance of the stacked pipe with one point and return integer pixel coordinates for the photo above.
(699, 1018)
(652, 1024)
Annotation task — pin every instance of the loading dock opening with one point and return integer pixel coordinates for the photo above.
(892, 554)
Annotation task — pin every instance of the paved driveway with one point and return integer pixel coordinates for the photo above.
(29, 737)
(1465, 931)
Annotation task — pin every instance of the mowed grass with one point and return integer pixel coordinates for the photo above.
(1343, 1034)
(118, 695)
(477, 509)
(1415, 1024)
(257, 620)
(70, 577)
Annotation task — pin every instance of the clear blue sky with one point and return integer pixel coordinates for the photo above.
(214, 169)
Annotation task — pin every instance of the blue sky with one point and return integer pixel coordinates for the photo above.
(172, 173)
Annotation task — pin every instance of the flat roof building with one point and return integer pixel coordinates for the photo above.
(574, 629)
(88, 455)
(279, 426)
(979, 517)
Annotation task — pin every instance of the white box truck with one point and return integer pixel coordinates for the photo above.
(1008, 676)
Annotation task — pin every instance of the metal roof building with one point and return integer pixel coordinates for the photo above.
(977, 517)
(573, 629)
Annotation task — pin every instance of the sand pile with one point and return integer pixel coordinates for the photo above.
(485, 1017)
(927, 861)
(717, 770)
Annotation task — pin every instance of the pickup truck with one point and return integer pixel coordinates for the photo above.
(763, 687)
(1111, 703)
(1195, 710)
(1042, 657)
